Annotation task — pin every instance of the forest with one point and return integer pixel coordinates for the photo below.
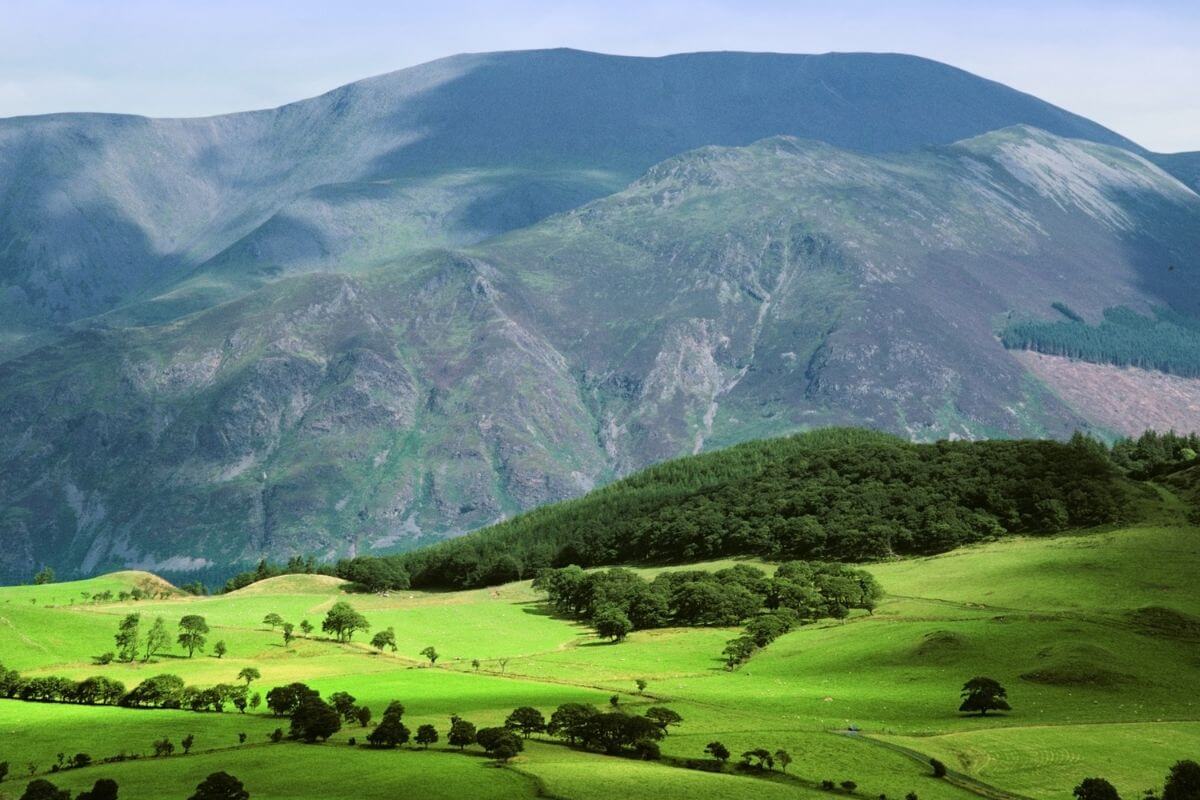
(1167, 341)
(835, 494)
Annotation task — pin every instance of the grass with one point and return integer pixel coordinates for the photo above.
(1096, 688)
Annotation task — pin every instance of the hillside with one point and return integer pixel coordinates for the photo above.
(728, 294)
(1058, 620)
(843, 495)
(103, 209)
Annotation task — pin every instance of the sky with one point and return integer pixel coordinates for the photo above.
(1132, 66)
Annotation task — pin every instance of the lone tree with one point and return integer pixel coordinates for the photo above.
(738, 651)
(663, 717)
(363, 715)
(342, 621)
(431, 654)
(315, 720)
(220, 786)
(384, 639)
(44, 575)
(462, 733)
(1183, 781)
(219, 649)
(193, 632)
(641, 685)
(427, 735)
(981, 695)
(187, 743)
(391, 730)
(128, 637)
(760, 757)
(289, 634)
(718, 751)
(306, 628)
(1095, 789)
(157, 638)
(273, 619)
(527, 720)
(249, 675)
(783, 758)
(610, 622)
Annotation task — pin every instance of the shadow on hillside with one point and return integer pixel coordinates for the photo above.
(541, 608)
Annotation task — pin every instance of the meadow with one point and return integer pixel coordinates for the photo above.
(1091, 633)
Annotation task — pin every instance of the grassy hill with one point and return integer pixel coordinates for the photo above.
(1091, 634)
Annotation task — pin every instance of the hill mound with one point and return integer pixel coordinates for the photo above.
(293, 584)
(1166, 622)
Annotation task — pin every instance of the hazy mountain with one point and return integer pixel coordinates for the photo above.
(99, 210)
(728, 293)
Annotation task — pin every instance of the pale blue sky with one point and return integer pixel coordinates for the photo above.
(1133, 66)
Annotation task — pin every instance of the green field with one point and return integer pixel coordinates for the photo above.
(1099, 686)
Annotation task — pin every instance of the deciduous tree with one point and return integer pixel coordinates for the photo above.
(343, 621)
(981, 695)
(220, 786)
(193, 633)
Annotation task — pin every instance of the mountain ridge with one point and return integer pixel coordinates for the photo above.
(730, 293)
(488, 142)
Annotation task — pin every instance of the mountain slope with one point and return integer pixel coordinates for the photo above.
(103, 209)
(730, 293)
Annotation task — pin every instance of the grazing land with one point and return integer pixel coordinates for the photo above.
(1092, 633)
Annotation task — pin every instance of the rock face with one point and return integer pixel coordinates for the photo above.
(356, 324)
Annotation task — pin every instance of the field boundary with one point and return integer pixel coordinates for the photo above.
(953, 777)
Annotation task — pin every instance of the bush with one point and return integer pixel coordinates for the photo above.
(939, 769)
(647, 750)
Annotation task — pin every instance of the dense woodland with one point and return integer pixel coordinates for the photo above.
(837, 495)
(1166, 341)
(828, 495)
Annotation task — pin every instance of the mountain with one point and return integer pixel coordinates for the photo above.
(1185, 166)
(728, 293)
(161, 217)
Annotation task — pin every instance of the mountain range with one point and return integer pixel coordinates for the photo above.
(431, 299)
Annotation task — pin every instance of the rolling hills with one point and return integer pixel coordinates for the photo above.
(1041, 614)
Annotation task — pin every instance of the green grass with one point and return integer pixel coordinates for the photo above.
(330, 772)
(1055, 619)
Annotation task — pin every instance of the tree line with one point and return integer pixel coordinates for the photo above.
(837, 494)
(617, 601)
(158, 691)
(1166, 341)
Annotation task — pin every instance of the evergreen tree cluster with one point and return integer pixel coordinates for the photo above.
(1153, 454)
(1167, 341)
